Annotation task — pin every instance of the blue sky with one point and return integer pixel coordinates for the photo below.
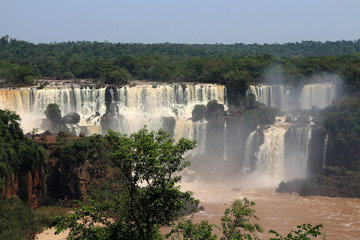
(180, 21)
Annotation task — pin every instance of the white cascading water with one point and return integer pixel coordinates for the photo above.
(200, 135)
(319, 95)
(297, 151)
(277, 96)
(286, 98)
(269, 160)
(251, 143)
(133, 107)
(30, 104)
(325, 150)
(148, 105)
(225, 143)
(282, 155)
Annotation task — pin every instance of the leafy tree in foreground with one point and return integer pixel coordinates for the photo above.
(147, 198)
(302, 232)
(146, 162)
(17, 220)
(239, 223)
(187, 229)
(240, 220)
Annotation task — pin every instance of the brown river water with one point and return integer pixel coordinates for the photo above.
(281, 212)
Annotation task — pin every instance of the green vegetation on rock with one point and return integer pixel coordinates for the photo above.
(17, 152)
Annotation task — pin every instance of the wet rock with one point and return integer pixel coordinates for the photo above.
(71, 118)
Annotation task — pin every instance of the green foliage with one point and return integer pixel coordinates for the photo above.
(149, 198)
(342, 124)
(17, 221)
(186, 229)
(302, 232)
(18, 74)
(120, 76)
(84, 222)
(240, 221)
(11, 47)
(76, 152)
(17, 153)
(44, 215)
(262, 115)
(248, 103)
(53, 113)
(236, 66)
(33, 132)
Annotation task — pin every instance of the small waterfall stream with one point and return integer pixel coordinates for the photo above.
(325, 150)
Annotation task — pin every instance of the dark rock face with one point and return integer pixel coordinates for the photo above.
(212, 111)
(289, 119)
(71, 118)
(291, 186)
(198, 113)
(332, 182)
(64, 134)
(59, 180)
(29, 186)
(70, 179)
(53, 113)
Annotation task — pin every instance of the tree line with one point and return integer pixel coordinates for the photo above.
(13, 48)
(22, 62)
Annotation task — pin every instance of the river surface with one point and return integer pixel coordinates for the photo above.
(281, 212)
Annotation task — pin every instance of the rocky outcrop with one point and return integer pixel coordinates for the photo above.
(71, 118)
(332, 182)
(29, 186)
(60, 180)
(73, 167)
(212, 111)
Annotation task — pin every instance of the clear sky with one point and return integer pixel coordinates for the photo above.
(180, 21)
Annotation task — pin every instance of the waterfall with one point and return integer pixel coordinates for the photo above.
(277, 96)
(142, 105)
(31, 103)
(249, 153)
(319, 95)
(127, 109)
(285, 97)
(225, 144)
(279, 151)
(326, 140)
(270, 157)
(297, 151)
(268, 160)
(200, 135)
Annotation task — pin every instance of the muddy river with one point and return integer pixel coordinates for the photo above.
(282, 212)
